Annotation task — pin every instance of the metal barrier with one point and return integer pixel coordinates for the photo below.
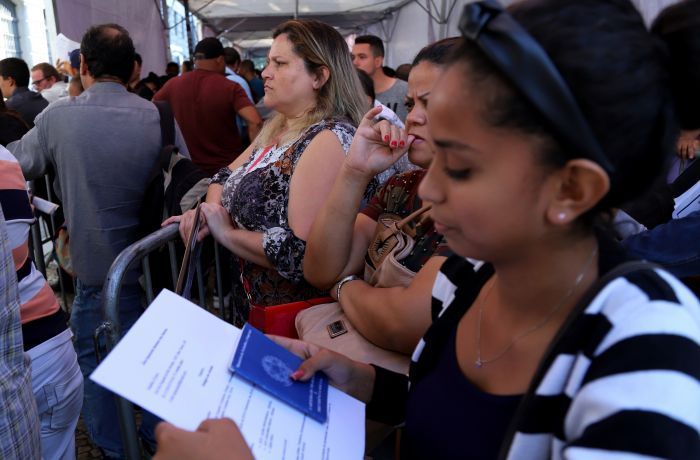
(126, 260)
(38, 239)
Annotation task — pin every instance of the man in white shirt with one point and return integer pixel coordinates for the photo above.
(47, 81)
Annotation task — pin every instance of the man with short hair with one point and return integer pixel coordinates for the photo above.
(172, 70)
(232, 58)
(368, 55)
(14, 84)
(48, 82)
(205, 105)
(233, 62)
(247, 71)
(103, 145)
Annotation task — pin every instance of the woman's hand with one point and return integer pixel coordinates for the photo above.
(186, 221)
(351, 377)
(218, 220)
(214, 439)
(688, 144)
(376, 145)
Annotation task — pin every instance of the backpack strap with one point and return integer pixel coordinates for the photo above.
(167, 133)
(167, 122)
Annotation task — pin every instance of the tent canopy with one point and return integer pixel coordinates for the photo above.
(245, 22)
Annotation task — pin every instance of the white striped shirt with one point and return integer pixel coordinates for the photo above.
(621, 381)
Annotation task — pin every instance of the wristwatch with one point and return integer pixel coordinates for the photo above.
(343, 281)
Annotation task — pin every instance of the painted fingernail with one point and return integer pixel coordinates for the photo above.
(394, 143)
(402, 143)
(386, 138)
(296, 375)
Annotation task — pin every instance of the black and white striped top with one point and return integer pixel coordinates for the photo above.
(622, 379)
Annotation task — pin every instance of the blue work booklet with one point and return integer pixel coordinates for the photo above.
(268, 366)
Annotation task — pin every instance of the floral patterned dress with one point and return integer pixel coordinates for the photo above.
(256, 196)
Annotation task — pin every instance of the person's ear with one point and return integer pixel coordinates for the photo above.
(321, 77)
(578, 187)
(83, 65)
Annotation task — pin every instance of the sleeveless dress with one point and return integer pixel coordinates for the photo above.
(256, 196)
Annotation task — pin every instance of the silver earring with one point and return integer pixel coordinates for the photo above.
(561, 216)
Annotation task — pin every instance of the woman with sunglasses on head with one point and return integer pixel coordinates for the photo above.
(555, 347)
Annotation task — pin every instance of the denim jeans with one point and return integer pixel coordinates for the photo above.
(99, 404)
(672, 245)
(58, 389)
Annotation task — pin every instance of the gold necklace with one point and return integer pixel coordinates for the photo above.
(481, 362)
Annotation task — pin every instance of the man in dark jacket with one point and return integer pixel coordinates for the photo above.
(14, 83)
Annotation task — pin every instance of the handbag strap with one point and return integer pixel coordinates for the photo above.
(398, 226)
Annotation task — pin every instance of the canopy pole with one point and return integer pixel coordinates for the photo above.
(166, 29)
(296, 9)
(443, 19)
(186, 3)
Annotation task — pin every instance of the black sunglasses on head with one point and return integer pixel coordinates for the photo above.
(528, 67)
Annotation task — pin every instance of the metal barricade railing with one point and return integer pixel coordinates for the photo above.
(40, 235)
(110, 327)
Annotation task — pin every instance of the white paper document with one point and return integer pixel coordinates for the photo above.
(688, 202)
(174, 363)
(45, 206)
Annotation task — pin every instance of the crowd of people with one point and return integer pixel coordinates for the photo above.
(525, 326)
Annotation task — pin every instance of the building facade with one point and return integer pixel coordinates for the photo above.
(27, 30)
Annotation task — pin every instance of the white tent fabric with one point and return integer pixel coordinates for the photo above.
(404, 25)
(244, 20)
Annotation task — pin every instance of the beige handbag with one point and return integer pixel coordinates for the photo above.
(326, 324)
(392, 242)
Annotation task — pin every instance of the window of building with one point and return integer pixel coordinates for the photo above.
(9, 35)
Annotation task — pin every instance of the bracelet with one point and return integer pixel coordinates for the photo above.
(343, 281)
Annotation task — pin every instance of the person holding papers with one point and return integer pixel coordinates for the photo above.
(554, 347)
(214, 439)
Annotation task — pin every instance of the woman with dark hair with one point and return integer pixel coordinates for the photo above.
(392, 316)
(544, 342)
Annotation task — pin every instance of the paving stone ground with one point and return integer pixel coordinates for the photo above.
(84, 449)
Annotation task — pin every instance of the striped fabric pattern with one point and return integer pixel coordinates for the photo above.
(36, 297)
(622, 382)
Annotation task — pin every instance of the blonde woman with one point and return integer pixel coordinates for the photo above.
(261, 207)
